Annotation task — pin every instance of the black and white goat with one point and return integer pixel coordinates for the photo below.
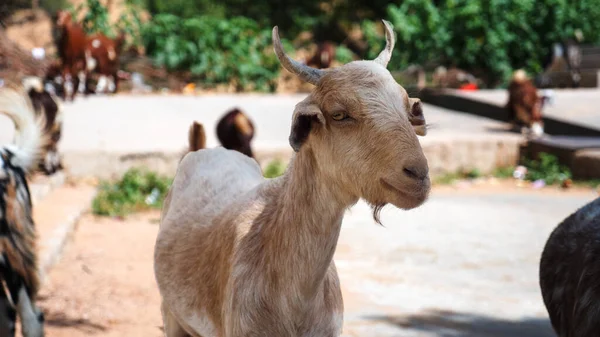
(570, 274)
(18, 256)
(46, 103)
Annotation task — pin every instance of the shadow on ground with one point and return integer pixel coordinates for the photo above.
(63, 321)
(454, 324)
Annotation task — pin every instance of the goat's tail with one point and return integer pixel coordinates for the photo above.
(29, 136)
(196, 137)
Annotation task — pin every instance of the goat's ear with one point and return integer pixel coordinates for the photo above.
(307, 114)
(416, 117)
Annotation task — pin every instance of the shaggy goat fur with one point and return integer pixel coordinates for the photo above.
(47, 104)
(569, 273)
(18, 257)
(241, 255)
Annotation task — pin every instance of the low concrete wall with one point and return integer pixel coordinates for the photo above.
(445, 155)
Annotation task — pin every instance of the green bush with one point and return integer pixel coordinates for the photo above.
(487, 37)
(274, 169)
(136, 191)
(546, 167)
(215, 51)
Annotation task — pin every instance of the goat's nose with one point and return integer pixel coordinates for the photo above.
(416, 172)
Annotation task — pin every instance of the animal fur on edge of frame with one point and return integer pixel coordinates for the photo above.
(18, 255)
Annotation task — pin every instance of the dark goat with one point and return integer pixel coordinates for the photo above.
(71, 50)
(45, 103)
(570, 274)
(18, 256)
(323, 57)
(235, 132)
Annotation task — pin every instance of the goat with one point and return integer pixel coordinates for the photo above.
(47, 104)
(238, 254)
(196, 137)
(235, 132)
(323, 57)
(71, 50)
(102, 57)
(18, 256)
(524, 104)
(569, 273)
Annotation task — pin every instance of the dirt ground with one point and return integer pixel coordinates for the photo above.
(104, 283)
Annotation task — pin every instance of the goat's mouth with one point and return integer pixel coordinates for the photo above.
(408, 197)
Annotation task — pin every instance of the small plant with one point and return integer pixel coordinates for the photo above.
(504, 172)
(138, 190)
(546, 167)
(274, 169)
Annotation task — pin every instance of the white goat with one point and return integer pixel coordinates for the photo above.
(241, 255)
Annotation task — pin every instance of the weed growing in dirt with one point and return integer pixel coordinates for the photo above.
(546, 167)
(138, 190)
(274, 169)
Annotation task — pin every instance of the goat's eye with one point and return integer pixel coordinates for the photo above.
(338, 116)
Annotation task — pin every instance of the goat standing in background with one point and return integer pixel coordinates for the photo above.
(71, 50)
(18, 256)
(524, 104)
(570, 273)
(196, 137)
(44, 103)
(323, 57)
(102, 57)
(235, 132)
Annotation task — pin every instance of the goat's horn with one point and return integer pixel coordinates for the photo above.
(306, 73)
(390, 40)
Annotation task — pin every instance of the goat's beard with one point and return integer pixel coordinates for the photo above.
(377, 207)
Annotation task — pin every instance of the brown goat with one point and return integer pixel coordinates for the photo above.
(102, 57)
(71, 50)
(323, 57)
(18, 256)
(524, 104)
(235, 132)
(238, 254)
(196, 137)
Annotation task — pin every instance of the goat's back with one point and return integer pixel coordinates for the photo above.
(212, 187)
(570, 273)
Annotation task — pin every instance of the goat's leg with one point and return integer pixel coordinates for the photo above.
(32, 319)
(8, 315)
(171, 326)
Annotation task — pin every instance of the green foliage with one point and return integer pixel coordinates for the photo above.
(274, 169)
(234, 51)
(487, 37)
(130, 21)
(136, 191)
(343, 55)
(546, 167)
(504, 172)
(95, 19)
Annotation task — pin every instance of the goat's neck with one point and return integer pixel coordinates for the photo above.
(305, 226)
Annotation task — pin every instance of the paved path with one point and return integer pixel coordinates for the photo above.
(463, 265)
(128, 123)
(580, 106)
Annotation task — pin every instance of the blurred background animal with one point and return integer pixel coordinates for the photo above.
(235, 132)
(196, 137)
(525, 104)
(46, 104)
(18, 256)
